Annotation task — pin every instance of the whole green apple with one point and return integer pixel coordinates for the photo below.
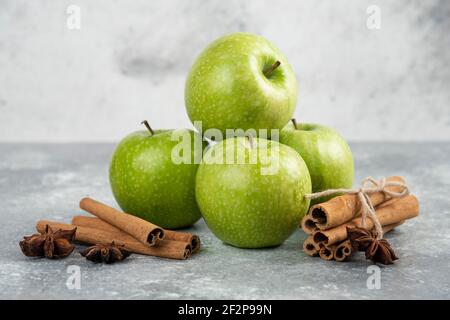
(257, 201)
(147, 182)
(326, 153)
(241, 81)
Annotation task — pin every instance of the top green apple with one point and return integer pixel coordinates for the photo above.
(241, 81)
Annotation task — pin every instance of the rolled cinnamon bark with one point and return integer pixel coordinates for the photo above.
(402, 209)
(95, 223)
(327, 252)
(99, 224)
(308, 224)
(386, 203)
(165, 248)
(140, 229)
(310, 247)
(342, 209)
(345, 250)
(392, 226)
(193, 239)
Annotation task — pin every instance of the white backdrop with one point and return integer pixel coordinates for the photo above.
(129, 60)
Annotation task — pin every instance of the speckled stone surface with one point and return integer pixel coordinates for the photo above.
(47, 181)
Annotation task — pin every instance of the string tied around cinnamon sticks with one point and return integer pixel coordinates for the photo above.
(368, 186)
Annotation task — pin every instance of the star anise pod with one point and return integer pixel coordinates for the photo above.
(377, 250)
(108, 253)
(360, 238)
(381, 251)
(50, 244)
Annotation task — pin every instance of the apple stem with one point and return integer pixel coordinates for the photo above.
(145, 123)
(268, 71)
(294, 122)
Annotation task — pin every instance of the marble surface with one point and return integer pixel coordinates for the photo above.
(46, 181)
(129, 61)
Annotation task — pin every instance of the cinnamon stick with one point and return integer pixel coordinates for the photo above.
(343, 251)
(327, 252)
(99, 224)
(140, 229)
(404, 208)
(342, 209)
(310, 247)
(193, 239)
(308, 224)
(165, 248)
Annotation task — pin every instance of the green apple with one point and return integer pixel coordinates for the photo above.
(326, 153)
(241, 81)
(146, 181)
(257, 202)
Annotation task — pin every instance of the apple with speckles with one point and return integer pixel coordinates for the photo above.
(146, 181)
(241, 81)
(326, 153)
(258, 201)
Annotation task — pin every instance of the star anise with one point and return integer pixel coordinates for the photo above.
(360, 238)
(50, 244)
(108, 253)
(377, 250)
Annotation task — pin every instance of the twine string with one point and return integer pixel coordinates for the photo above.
(369, 185)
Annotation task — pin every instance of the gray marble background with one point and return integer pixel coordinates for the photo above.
(129, 61)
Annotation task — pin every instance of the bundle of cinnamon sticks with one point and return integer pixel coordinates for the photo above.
(326, 223)
(134, 234)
